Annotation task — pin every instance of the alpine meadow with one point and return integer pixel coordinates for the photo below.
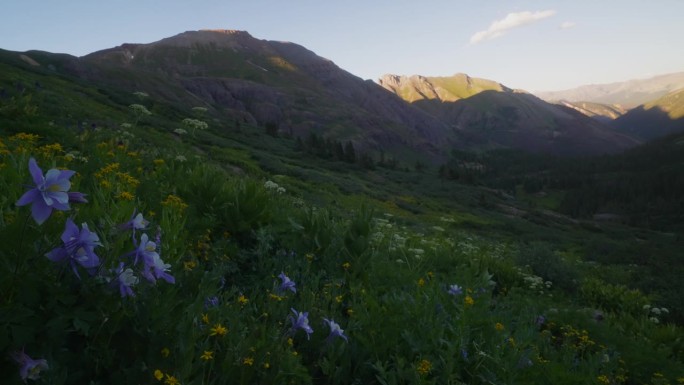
(213, 208)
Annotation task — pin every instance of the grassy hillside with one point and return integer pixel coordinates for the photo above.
(259, 258)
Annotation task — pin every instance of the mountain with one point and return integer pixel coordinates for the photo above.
(268, 83)
(485, 114)
(627, 94)
(290, 91)
(655, 119)
(602, 112)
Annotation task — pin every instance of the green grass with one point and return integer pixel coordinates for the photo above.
(374, 250)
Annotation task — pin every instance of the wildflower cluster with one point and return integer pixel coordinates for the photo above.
(78, 251)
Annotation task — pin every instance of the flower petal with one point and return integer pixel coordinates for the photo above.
(40, 211)
(36, 172)
(29, 197)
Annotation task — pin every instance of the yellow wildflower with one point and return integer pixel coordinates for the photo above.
(189, 265)
(469, 301)
(603, 379)
(158, 162)
(24, 137)
(421, 282)
(158, 375)
(275, 297)
(242, 300)
(309, 257)
(346, 265)
(174, 201)
(171, 380)
(205, 318)
(424, 367)
(218, 330)
(289, 341)
(338, 299)
(350, 312)
(430, 274)
(125, 196)
(499, 326)
(249, 361)
(266, 365)
(207, 355)
(165, 352)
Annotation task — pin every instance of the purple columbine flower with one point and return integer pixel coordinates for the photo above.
(51, 192)
(335, 330)
(210, 302)
(455, 290)
(154, 267)
(79, 248)
(286, 284)
(301, 321)
(28, 367)
(125, 279)
(137, 222)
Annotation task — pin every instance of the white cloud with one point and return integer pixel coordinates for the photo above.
(567, 24)
(512, 20)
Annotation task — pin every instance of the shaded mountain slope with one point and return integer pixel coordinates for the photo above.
(655, 119)
(486, 115)
(266, 82)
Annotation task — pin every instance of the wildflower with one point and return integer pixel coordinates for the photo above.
(286, 283)
(155, 268)
(603, 379)
(79, 247)
(125, 279)
(455, 290)
(249, 361)
(541, 320)
(210, 302)
(424, 367)
(158, 162)
(181, 158)
(137, 222)
(499, 326)
(165, 352)
(51, 192)
(158, 375)
(469, 301)
(346, 265)
(205, 318)
(125, 196)
(339, 299)
(301, 321)
(421, 282)
(180, 131)
(28, 367)
(335, 330)
(189, 265)
(207, 355)
(218, 330)
(242, 300)
(171, 380)
(290, 342)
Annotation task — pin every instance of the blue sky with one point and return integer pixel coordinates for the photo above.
(528, 44)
